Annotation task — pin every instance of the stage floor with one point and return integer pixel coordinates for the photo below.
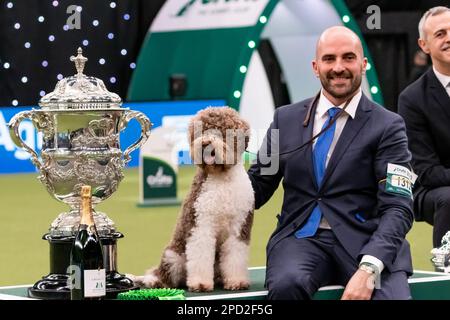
(425, 285)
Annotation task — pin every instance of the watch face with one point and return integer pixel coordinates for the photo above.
(367, 268)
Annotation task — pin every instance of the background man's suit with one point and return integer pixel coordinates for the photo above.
(425, 106)
(364, 218)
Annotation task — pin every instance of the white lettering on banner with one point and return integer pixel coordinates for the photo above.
(28, 134)
(5, 139)
(39, 140)
(179, 15)
(159, 180)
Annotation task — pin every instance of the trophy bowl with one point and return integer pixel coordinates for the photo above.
(80, 122)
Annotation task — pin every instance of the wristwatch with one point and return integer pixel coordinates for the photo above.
(368, 267)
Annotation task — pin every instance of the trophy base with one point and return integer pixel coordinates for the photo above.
(55, 285)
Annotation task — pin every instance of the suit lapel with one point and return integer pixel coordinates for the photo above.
(350, 131)
(307, 135)
(438, 92)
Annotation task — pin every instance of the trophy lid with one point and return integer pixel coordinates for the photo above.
(80, 91)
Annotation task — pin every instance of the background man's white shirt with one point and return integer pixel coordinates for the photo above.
(443, 79)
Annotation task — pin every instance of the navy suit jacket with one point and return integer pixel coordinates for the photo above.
(425, 106)
(364, 217)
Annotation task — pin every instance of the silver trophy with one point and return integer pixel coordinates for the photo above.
(80, 122)
(441, 255)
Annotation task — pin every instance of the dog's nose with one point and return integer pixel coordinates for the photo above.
(208, 148)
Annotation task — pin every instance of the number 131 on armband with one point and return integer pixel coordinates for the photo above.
(399, 180)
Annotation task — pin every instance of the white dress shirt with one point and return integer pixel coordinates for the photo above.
(320, 118)
(443, 79)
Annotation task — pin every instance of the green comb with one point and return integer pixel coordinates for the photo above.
(152, 294)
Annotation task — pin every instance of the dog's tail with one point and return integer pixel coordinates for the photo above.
(171, 272)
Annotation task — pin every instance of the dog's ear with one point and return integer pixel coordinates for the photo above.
(241, 135)
(246, 128)
(195, 127)
(190, 133)
(191, 128)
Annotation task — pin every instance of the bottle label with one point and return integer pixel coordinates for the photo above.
(94, 283)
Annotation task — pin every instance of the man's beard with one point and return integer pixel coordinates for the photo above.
(355, 82)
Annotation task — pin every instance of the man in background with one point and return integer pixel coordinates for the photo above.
(425, 106)
(420, 66)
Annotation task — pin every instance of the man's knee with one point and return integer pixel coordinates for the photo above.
(443, 198)
(291, 286)
(394, 286)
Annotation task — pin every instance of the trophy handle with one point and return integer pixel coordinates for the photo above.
(15, 136)
(145, 131)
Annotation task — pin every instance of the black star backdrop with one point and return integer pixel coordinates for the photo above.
(36, 43)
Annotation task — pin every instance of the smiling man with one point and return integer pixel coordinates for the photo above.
(425, 106)
(339, 64)
(347, 202)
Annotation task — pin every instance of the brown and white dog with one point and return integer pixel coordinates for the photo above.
(210, 244)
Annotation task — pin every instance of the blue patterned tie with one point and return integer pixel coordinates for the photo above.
(320, 157)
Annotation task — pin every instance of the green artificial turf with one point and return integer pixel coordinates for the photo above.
(27, 210)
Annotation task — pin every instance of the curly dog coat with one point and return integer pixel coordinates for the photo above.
(210, 244)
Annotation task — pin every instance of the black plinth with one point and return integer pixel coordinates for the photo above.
(55, 285)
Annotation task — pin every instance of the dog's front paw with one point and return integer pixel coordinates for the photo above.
(137, 280)
(236, 284)
(200, 286)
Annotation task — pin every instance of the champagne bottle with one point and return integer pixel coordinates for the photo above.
(86, 257)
